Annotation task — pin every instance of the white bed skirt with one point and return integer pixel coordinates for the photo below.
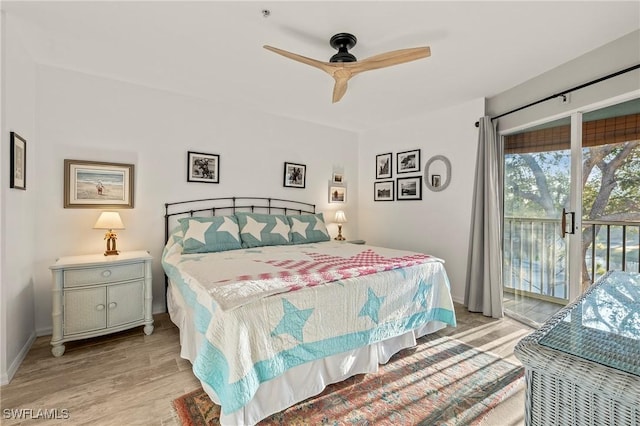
(298, 383)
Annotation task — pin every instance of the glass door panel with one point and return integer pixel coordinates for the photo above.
(611, 190)
(537, 190)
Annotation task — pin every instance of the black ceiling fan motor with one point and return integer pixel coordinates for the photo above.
(343, 42)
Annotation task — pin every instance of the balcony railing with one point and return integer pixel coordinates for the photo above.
(536, 256)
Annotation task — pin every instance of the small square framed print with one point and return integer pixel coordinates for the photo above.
(338, 178)
(409, 188)
(408, 161)
(18, 165)
(337, 194)
(383, 166)
(295, 175)
(383, 191)
(203, 167)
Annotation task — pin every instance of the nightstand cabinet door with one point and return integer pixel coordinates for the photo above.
(125, 303)
(85, 310)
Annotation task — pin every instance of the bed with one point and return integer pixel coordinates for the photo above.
(271, 310)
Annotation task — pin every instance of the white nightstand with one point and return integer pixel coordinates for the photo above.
(97, 294)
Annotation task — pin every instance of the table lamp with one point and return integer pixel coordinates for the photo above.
(340, 219)
(109, 221)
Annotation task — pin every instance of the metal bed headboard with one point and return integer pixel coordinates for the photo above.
(230, 205)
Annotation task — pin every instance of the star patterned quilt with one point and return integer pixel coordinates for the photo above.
(265, 310)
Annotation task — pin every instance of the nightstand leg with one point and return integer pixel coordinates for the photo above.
(57, 350)
(148, 329)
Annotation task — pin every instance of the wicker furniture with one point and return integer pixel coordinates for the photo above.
(96, 294)
(583, 366)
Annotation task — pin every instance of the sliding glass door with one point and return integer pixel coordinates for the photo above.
(571, 207)
(537, 188)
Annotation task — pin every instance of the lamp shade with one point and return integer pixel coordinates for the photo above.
(109, 220)
(340, 217)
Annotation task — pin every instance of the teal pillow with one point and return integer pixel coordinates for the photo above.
(209, 234)
(308, 228)
(257, 230)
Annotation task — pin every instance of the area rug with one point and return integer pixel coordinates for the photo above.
(441, 381)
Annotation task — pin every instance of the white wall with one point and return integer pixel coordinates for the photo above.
(17, 216)
(91, 118)
(439, 223)
(610, 58)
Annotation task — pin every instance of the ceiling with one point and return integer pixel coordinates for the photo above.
(213, 49)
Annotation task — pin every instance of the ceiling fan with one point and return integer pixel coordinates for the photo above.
(343, 65)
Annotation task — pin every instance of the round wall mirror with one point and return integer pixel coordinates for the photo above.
(437, 173)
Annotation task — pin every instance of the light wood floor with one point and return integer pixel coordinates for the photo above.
(128, 378)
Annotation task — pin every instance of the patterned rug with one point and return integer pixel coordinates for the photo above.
(440, 381)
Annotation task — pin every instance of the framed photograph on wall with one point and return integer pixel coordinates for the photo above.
(338, 178)
(383, 166)
(337, 194)
(409, 188)
(383, 191)
(203, 167)
(98, 185)
(18, 154)
(295, 175)
(408, 161)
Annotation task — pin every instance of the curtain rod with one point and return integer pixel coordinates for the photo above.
(565, 92)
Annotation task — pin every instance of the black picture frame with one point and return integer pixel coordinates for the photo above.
(18, 167)
(383, 190)
(384, 166)
(295, 175)
(409, 188)
(203, 167)
(408, 161)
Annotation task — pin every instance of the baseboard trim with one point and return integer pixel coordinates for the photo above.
(44, 331)
(7, 376)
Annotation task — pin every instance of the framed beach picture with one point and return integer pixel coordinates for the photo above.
(94, 184)
(409, 188)
(18, 165)
(383, 166)
(338, 178)
(383, 191)
(295, 175)
(408, 161)
(203, 167)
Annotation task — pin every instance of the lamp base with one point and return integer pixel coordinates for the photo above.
(111, 237)
(340, 238)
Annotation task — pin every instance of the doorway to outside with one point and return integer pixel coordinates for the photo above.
(571, 207)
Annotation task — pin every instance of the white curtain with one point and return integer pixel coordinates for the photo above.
(484, 270)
